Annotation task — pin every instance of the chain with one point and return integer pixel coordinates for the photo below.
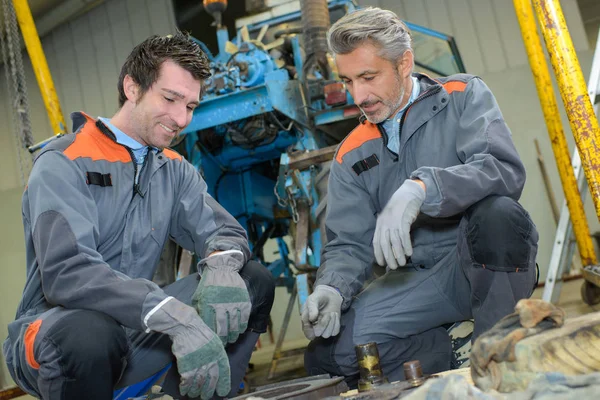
(281, 202)
(290, 201)
(292, 204)
(16, 86)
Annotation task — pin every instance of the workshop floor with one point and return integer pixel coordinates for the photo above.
(291, 368)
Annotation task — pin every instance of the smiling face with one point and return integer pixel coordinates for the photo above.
(157, 116)
(379, 87)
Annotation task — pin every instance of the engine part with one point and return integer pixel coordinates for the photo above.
(315, 23)
(414, 376)
(310, 388)
(413, 373)
(371, 374)
(335, 94)
(215, 8)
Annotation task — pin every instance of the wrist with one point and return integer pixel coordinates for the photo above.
(421, 183)
(330, 289)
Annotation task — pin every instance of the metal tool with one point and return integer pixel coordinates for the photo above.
(314, 387)
(414, 378)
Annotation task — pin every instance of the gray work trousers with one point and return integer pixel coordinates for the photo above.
(82, 354)
(482, 277)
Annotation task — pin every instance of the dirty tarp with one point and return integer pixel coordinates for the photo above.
(549, 386)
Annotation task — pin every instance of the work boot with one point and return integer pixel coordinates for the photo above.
(460, 334)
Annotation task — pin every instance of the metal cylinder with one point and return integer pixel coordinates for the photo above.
(315, 23)
(413, 373)
(369, 367)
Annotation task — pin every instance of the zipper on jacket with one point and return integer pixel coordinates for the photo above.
(385, 142)
(423, 96)
(136, 186)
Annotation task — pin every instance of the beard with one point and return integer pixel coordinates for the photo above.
(389, 106)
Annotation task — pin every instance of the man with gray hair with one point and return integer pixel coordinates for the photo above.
(427, 185)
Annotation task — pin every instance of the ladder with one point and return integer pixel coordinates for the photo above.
(564, 244)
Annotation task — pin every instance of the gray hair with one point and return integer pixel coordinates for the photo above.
(380, 27)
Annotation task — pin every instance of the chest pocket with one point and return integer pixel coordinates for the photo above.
(160, 211)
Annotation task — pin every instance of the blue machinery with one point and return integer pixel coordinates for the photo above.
(270, 119)
(258, 136)
(268, 125)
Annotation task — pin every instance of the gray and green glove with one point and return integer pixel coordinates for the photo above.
(222, 299)
(201, 358)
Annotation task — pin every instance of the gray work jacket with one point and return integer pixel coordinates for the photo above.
(94, 238)
(454, 139)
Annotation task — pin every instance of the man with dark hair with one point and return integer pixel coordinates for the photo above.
(427, 186)
(99, 206)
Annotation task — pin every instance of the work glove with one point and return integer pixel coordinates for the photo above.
(221, 298)
(391, 242)
(321, 313)
(201, 359)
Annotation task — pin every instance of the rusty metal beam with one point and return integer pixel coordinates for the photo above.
(573, 90)
(304, 160)
(543, 82)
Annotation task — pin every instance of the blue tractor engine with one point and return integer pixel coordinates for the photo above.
(267, 127)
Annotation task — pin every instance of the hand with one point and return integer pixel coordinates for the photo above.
(391, 242)
(321, 313)
(222, 299)
(201, 359)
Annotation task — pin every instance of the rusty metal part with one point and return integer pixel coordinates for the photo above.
(305, 159)
(315, 23)
(390, 391)
(413, 373)
(11, 393)
(543, 82)
(573, 91)
(311, 388)
(590, 290)
(369, 367)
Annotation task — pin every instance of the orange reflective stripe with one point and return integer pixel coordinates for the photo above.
(357, 138)
(30, 334)
(454, 86)
(173, 155)
(91, 143)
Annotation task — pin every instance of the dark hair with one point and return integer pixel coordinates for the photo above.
(144, 61)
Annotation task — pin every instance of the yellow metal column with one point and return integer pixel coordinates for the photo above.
(40, 66)
(573, 91)
(543, 83)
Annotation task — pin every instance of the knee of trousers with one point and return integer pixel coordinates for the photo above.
(318, 357)
(261, 288)
(83, 345)
(500, 235)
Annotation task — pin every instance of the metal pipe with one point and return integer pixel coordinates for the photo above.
(315, 23)
(543, 82)
(369, 367)
(40, 66)
(573, 91)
